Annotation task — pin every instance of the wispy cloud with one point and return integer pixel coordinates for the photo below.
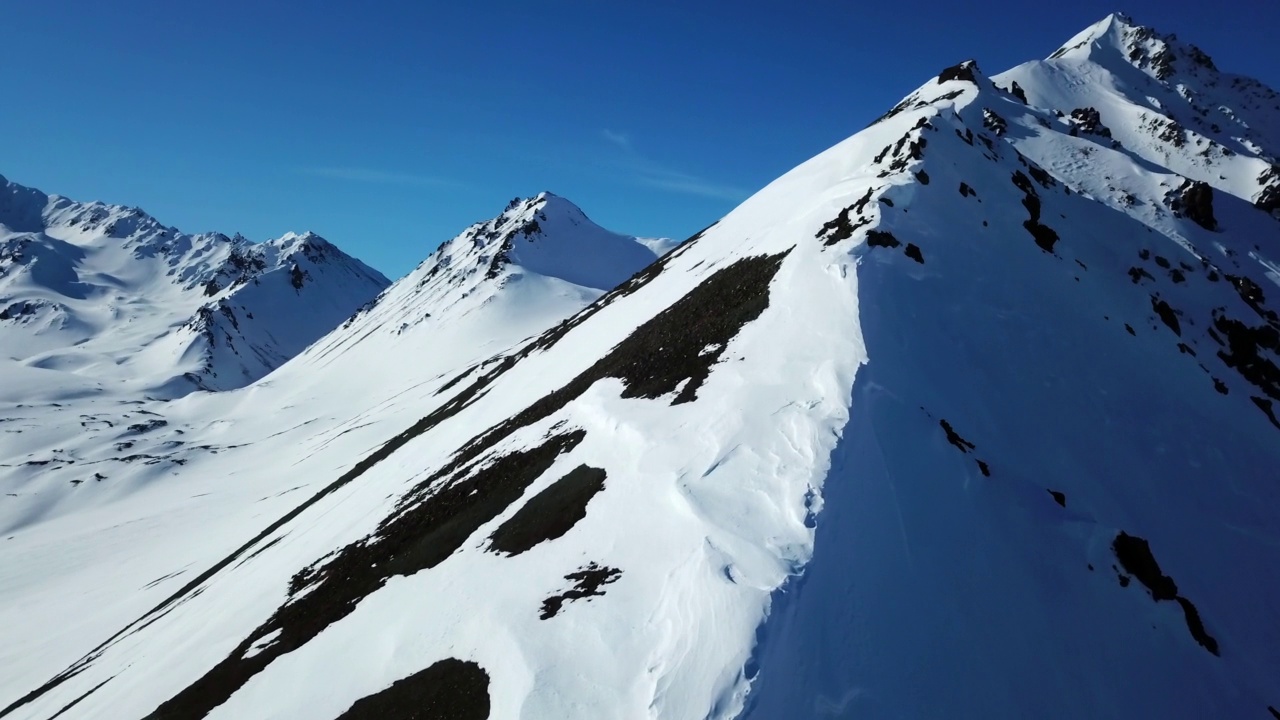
(371, 175)
(641, 170)
(622, 140)
(679, 182)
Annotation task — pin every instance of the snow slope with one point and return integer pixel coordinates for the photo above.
(87, 476)
(496, 283)
(106, 296)
(970, 415)
(1166, 105)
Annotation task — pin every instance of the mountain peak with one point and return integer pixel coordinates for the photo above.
(292, 242)
(1140, 45)
(21, 207)
(1105, 32)
(966, 71)
(546, 235)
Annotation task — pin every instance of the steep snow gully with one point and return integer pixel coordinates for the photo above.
(972, 415)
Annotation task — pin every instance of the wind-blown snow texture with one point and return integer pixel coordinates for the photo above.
(971, 415)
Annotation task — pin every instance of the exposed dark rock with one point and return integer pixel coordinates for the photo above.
(1219, 386)
(902, 106)
(915, 150)
(148, 426)
(1088, 120)
(1134, 554)
(1172, 133)
(963, 71)
(244, 264)
(923, 177)
(1137, 274)
(1199, 57)
(1246, 352)
(966, 191)
(1167, 315)
(418, 536)
(1196, 202)
(229, 314)
(882, 238)
(19, 310)
(1041, 176)
(841, 227)
(448, 690)
(1044, 236)
(993, 122)
(297, 276)
(73, 703)
(1266, 406)
(954, 438)
(986, 469)
(1059, 497)
(914, 143)
(586, 584)
(529, 229)
(1016, 90)
(1196, 625)
(1023, 183)
(1251, 293)
(914, 253)
(551, 513)
(1268, 198)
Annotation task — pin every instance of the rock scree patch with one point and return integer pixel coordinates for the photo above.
(551, 513)
(448, 690)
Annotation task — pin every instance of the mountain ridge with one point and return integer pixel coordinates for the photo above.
(109, 294)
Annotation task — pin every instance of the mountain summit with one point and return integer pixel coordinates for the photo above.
(973, 414)
(1166, 103)
(497, 283)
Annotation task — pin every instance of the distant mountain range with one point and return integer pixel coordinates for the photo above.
(107, 294)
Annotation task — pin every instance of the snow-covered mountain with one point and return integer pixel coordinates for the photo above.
(1164, 104)
(476, 296)
(500, 281)
(108, 296)
(972, 414)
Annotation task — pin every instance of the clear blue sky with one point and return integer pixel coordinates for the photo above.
(389, 126)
